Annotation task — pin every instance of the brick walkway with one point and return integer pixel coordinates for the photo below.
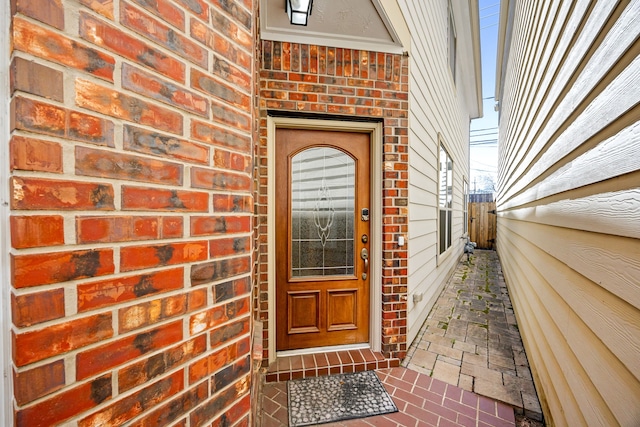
(422, 401)
(467, 366)
(471, 338)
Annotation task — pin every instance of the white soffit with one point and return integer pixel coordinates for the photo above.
(351, 24)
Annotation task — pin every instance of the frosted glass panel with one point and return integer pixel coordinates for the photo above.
(322, 213)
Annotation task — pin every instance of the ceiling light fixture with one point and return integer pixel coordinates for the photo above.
(299, 11)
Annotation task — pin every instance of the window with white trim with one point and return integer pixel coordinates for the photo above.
(452, 43)
(465, 206)
(445, 200)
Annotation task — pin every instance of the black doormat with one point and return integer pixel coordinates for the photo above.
(320, 400)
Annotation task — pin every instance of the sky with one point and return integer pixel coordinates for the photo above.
(484, 131)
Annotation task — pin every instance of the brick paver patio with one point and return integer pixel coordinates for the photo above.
(467, 366)
(471, 337)
(422, 401)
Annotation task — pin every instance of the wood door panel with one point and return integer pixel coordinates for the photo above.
(322, 184)
(342, 309)
(304, 312)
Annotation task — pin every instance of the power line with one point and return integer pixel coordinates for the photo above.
(479, 130)
(489, 16)
(485, 142)
(488, 132)
(485, 134)
(491, 130)
(495, 130)
(489, 26)
(489, 7)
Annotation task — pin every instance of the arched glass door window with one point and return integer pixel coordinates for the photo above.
(322, 213)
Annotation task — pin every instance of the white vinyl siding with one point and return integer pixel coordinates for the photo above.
(569, 204)
(436, 108)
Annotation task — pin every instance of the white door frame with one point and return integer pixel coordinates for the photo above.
(6, 387)
(375, 131)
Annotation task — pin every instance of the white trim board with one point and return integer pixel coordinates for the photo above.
(6, 387)
(376, 132)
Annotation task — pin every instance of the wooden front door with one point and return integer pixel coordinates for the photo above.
(322, 238)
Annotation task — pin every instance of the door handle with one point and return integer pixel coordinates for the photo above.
(364, 254)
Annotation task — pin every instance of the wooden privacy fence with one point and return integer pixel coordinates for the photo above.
(482, 223)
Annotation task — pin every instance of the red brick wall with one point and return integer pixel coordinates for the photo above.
(352, 83)
(131, 149)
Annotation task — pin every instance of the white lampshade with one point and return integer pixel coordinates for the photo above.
(299, 11)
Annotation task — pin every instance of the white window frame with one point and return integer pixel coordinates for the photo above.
(452, 42)
(445, 199)
(465, 207)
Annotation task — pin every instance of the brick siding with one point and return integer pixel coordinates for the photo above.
(326, 81)
(131, 163)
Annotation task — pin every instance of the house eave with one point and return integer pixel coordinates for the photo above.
(504, 40)
(477, 58)
(392, 36)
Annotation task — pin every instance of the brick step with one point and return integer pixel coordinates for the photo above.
(328, 363)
